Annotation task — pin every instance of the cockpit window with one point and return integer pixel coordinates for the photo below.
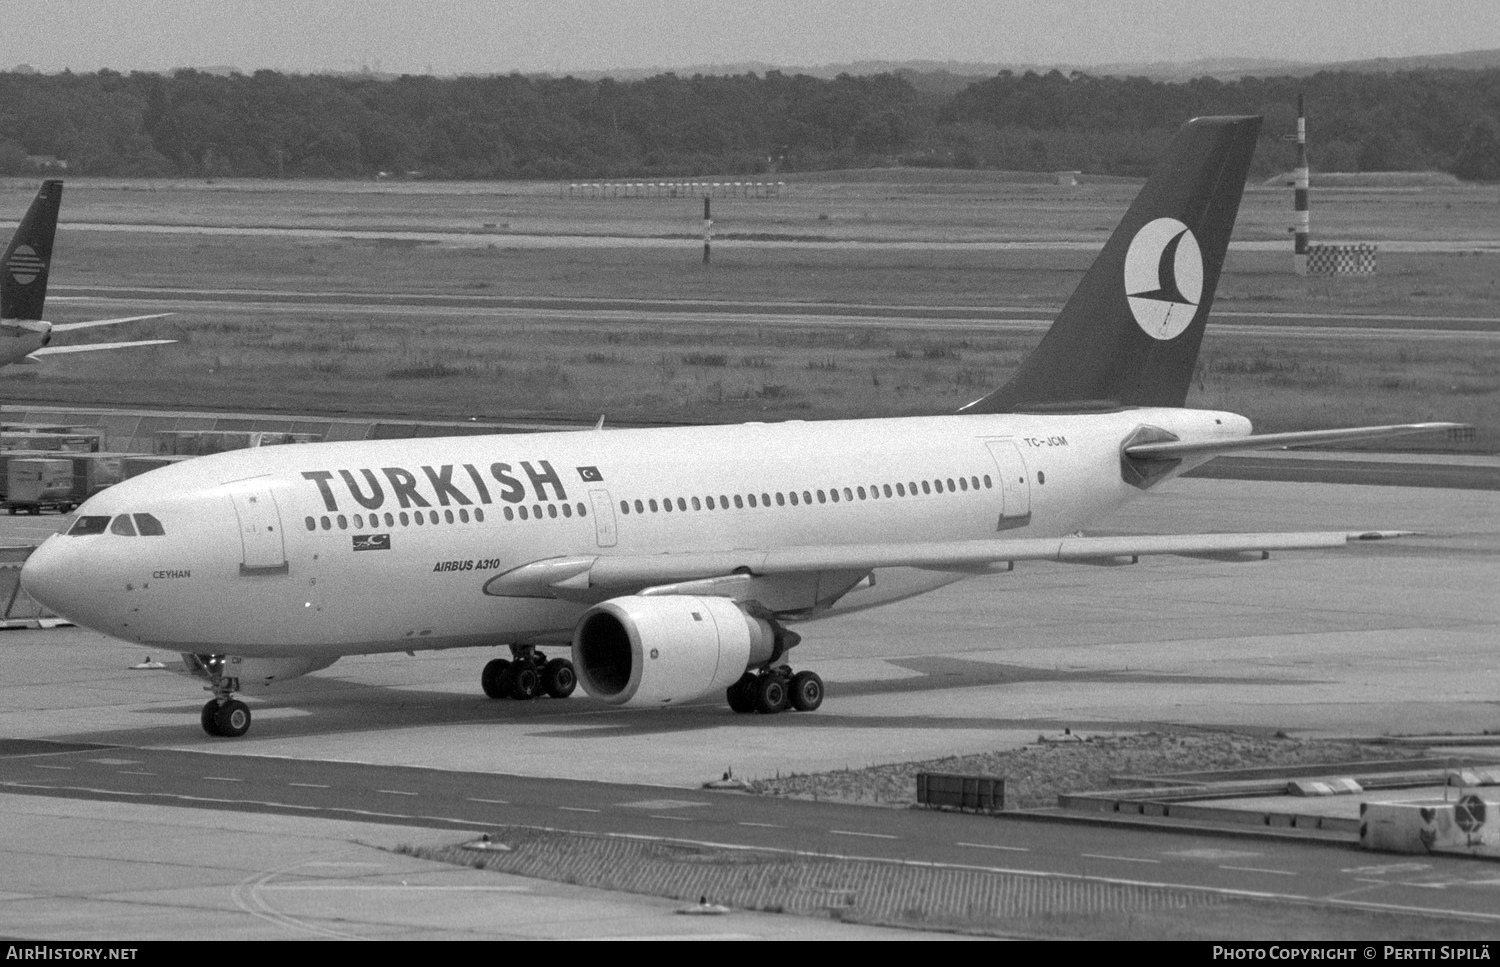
(149, 526)
(84, 526)
(122, 526)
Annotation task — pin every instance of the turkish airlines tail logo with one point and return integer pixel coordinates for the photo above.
(1164, 278)
(25, 265)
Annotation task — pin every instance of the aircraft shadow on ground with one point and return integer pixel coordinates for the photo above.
(334, 707)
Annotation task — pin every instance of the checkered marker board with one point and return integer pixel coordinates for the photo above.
(1341, 260)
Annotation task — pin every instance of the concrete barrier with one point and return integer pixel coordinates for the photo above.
(1468, 825)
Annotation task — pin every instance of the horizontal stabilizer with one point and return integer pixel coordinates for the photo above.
(1179, 449)
(69, 326)
(95, 346)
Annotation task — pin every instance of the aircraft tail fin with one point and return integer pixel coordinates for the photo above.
(27, 260)
(1129, 335)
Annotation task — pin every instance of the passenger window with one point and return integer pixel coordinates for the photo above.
(478, 516)
(926, 487)
(794, 498)
(861, 493)
(625, 507)
(463, 516)
(739, 501)
(887, 488)
(780, 499)
(567, 510)
(901, 489)
(403, 519)
(552, 511)
(696, 504)
(806, 497)
(681, 504)
(752, 500)
(509, 514)
(84, 526)
(149, 526)
(312, 525)
(849, 494)
(582, 510)
(708, 501)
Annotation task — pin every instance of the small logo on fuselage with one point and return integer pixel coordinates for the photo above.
(372, 542)
(1164, 278)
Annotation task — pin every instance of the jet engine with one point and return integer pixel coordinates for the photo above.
(252, 673)
(651, 651)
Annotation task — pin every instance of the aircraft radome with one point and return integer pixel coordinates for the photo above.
(24, 269)
(675, 560)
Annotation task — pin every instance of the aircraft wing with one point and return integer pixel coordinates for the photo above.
(69, 326)
(92, 347)
(1178, 449)
(587, 576)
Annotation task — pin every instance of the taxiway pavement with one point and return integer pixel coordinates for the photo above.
(1391, 638)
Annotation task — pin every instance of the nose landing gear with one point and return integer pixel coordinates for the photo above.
(224, 716)
(528, 674)
(226, 720)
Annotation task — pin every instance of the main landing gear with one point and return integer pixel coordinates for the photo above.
(528, 674)
(775, 690)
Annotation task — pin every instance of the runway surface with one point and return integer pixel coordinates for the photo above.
(1384, 639)
(658, 313)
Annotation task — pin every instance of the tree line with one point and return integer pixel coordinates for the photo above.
(269, 124)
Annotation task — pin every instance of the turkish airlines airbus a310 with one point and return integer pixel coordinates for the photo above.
(676, 560)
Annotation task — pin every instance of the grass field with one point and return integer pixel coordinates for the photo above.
(438, 364)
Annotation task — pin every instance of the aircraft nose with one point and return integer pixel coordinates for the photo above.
(52, 577)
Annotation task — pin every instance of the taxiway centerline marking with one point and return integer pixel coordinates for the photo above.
(1012, 849)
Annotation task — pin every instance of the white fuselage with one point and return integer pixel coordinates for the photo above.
(316, 550)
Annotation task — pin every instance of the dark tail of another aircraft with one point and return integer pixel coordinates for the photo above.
(23, 271)
(1129, 336)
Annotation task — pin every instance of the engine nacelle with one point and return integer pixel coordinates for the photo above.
(653, 651)
(253, 673)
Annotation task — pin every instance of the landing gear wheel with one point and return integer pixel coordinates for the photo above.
(558, 678)
(207, 717)
(526, 682)
(770, 694)
(741, 694)
(496, 678)
(806, 691)
(232, 719)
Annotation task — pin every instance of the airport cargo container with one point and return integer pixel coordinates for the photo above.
(34, 484)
